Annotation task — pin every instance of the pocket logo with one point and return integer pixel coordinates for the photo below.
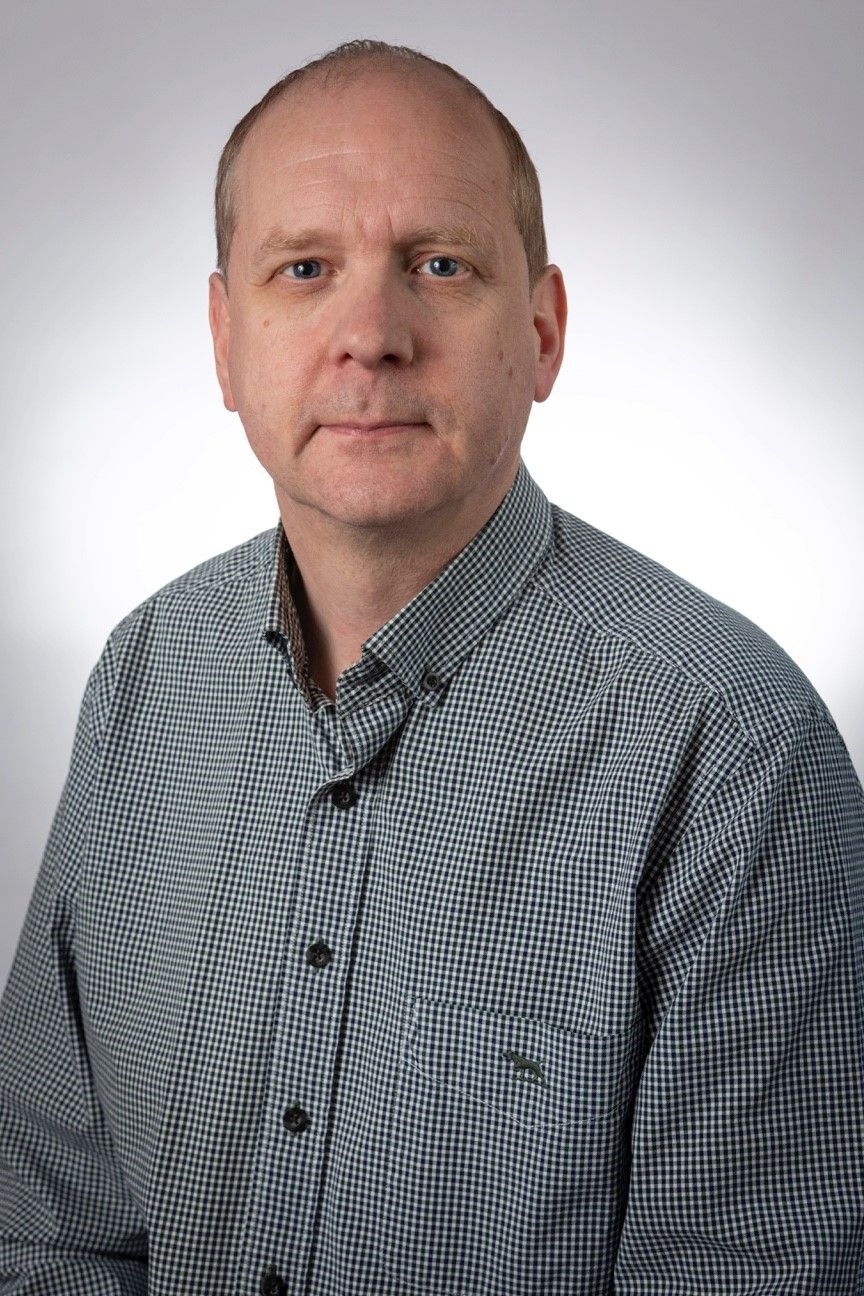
(526, 1068)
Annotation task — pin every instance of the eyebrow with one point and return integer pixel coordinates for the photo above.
(282, 242)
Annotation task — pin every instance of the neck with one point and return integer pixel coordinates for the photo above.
(350, 581)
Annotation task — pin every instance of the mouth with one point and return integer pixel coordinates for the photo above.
(369, 431)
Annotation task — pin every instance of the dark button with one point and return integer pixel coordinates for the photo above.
(319, 954)
(276, 640)
(271, 1284)
(430, 682)
(295, 1119)
(343, 795)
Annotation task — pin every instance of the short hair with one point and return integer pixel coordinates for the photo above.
(525, 201)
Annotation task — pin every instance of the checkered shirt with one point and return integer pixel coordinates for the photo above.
(532, 964)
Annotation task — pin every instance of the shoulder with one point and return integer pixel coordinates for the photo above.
(218, 600)
(205, 584)
(668, 625)
(224, 569)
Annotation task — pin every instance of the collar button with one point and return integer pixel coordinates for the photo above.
(277, 641)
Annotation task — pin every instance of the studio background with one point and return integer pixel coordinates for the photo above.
(702, 170)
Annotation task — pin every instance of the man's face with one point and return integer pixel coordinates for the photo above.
(376, 276)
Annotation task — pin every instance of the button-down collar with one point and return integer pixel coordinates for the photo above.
(424, 642)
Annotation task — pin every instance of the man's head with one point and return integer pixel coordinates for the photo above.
(355, 58)
(372, 268)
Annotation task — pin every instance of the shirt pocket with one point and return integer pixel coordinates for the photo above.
(507, 1153)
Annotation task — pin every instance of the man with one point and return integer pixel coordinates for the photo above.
(443, 897)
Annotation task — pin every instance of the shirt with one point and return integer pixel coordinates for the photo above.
(532, 963)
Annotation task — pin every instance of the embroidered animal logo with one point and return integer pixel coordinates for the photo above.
(526, 1068)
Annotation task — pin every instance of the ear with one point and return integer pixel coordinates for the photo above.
(220, 327)
(549, 306)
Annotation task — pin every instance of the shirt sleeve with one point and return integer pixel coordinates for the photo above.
(67, 1221)
(747, 1143)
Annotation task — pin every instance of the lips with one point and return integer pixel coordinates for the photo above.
(364, 426)
(361, 430)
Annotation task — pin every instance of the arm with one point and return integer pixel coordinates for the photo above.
(747, 1171)
(67, 1221)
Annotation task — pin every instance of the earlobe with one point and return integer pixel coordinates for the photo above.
(549, 301)
(220, 328)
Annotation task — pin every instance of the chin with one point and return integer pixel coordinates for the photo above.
(362, 505)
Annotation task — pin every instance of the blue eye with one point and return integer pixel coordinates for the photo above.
(449, 274)
(294, 265)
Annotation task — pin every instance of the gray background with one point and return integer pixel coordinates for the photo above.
(702, 175)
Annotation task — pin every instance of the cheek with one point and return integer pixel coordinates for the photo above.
(491, 355)
(511, 372)
(512, 343)
(513, 381)
(264, 368)
(493, 394)
(260, 393)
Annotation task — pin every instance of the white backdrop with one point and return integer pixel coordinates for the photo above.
(702, 168)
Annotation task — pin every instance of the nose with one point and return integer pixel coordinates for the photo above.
(372, 319)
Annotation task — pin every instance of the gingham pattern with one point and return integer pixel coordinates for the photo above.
(587, 853)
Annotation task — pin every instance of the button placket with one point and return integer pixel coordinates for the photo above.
(295, 1138)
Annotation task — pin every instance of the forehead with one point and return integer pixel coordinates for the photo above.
(371, 147)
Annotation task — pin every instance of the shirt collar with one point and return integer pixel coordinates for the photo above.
(423, 644)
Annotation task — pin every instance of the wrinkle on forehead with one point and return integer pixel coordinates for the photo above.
(370, 182)
(362, 164)
(341, 157)
(339, 190)
(292, 166)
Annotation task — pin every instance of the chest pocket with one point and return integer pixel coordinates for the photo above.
(507, 1153)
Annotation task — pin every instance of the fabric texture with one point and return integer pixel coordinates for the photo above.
(531, 964)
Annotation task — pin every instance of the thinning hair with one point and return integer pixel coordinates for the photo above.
(350, 58)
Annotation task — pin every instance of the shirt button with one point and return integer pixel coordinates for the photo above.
(343, 795)
(319, 954)
(295, 1119)
(430, 682)
(271, 1284)
(276, 640)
